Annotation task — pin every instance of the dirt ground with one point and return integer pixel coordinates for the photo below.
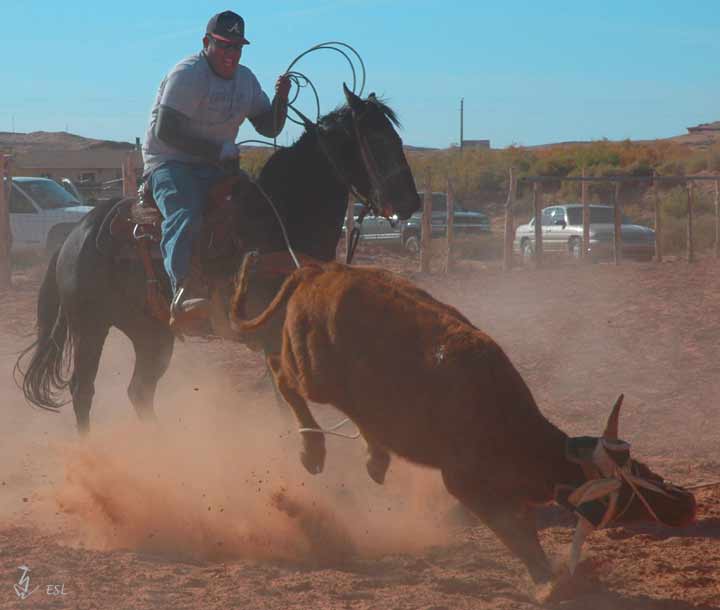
(211, 509)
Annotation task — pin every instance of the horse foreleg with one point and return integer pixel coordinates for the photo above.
(153, 344)
(312, 455)
(87, 349)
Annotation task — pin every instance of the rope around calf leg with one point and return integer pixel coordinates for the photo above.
(331, 430)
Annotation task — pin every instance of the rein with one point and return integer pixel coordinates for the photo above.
(377, 178)
(353, 238)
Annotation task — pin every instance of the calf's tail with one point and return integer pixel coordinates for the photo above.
(237, 309)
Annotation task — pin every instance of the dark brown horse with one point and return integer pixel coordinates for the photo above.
(87, 291)
(443, 394)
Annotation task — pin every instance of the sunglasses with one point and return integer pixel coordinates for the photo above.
(227, 46)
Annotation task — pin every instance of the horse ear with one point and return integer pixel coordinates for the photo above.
(355, 103)
(613, 422)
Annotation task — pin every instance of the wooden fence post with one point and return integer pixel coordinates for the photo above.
(450, 233)
(690, 236)
(426, 230)
(586, 219)
(5, 232)
(537, 206)
(349, 227)
(129, 176)
(658, 224)
(617, 236)
(717, 218)
(509, 224)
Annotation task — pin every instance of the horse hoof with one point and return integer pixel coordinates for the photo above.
(377, 467)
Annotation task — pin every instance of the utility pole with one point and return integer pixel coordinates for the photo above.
(462, 112)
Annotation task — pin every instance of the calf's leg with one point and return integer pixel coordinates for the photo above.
(312, 454)
(509, 519)
(378, 458)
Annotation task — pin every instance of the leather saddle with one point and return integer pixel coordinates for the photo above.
(135, 230)
(138, 219)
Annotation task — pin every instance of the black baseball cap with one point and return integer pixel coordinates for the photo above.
(227, 26)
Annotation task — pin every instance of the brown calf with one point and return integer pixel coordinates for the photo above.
(419, 380)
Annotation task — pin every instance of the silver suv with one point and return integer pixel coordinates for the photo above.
(562, 232)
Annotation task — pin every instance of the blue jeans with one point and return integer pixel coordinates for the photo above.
(181, 190)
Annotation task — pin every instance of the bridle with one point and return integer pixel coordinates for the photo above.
(376, 177)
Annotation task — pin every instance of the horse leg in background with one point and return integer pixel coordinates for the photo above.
(88, 344)
(377, 463)
(516, 528)
(312, 455)
(153, 343)
(279, 401)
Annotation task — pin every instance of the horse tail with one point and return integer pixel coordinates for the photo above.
(48, 372)
(237, 309)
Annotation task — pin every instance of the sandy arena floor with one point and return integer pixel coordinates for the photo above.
(211, 508)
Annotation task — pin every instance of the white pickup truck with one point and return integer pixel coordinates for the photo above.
(42, 213)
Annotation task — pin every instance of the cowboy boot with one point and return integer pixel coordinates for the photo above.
(190, 307)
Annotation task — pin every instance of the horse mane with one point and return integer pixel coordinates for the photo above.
(337, 118)
(341, 113)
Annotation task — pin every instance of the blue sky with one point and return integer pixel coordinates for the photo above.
(530, 72)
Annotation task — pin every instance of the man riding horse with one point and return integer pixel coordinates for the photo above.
(198, 110)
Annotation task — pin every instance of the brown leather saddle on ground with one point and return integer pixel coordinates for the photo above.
(135, 228)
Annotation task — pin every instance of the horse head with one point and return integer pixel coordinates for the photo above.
(369, 155)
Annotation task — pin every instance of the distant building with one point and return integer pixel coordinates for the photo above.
(476, 144)
(90, 166)
(65, 155)
(705, 128)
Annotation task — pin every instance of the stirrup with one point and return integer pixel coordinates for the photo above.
(187, 310)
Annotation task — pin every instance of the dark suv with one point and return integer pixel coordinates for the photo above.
(406, 233)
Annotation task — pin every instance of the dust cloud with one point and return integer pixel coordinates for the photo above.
(217, 477)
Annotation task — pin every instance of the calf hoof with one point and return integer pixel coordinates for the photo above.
(564, 587)
(377, 466)
(312, 455)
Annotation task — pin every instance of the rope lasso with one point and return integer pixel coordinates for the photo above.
(331, 430)
(301, 80)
